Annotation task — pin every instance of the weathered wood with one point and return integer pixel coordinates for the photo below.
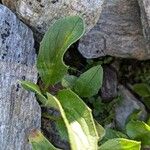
(19, 111)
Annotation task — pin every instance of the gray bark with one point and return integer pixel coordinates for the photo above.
(19, 111)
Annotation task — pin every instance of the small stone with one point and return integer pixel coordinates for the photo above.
(110, 83)
(118, 33)
(19, 110)
(127, 106)
(41, 14)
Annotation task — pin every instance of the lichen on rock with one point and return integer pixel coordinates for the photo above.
(118, 33)
(19, 110)
(40, 14)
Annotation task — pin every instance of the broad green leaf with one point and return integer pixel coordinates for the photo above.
(39, 142)
(30, 86)
(135, 115)
(89, 83)
(100, 130)
(54, 102)
(142, 89)
(69, 81)
(120, 144)
(61, 128)
(148, 121)
(56, 41)
(111, 134)
(140, 131)
(80, 120)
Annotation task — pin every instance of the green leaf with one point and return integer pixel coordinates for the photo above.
(39, 142)
(30, 86)
(77, 121)
(135, 115)
(89, 83)
(100, 130)
(111, 134)
(80, 120)
(142, 89)
(146, 101)
(69, 81)
(140, 131)
(120, 144)
(61, 128)
(56, 41)
(63, 122)
(148, 121)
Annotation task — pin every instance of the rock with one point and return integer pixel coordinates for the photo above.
(118, 33)
(109, 88)
(19, 110)
(145, 17)
(127, 106)
(40, 14)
